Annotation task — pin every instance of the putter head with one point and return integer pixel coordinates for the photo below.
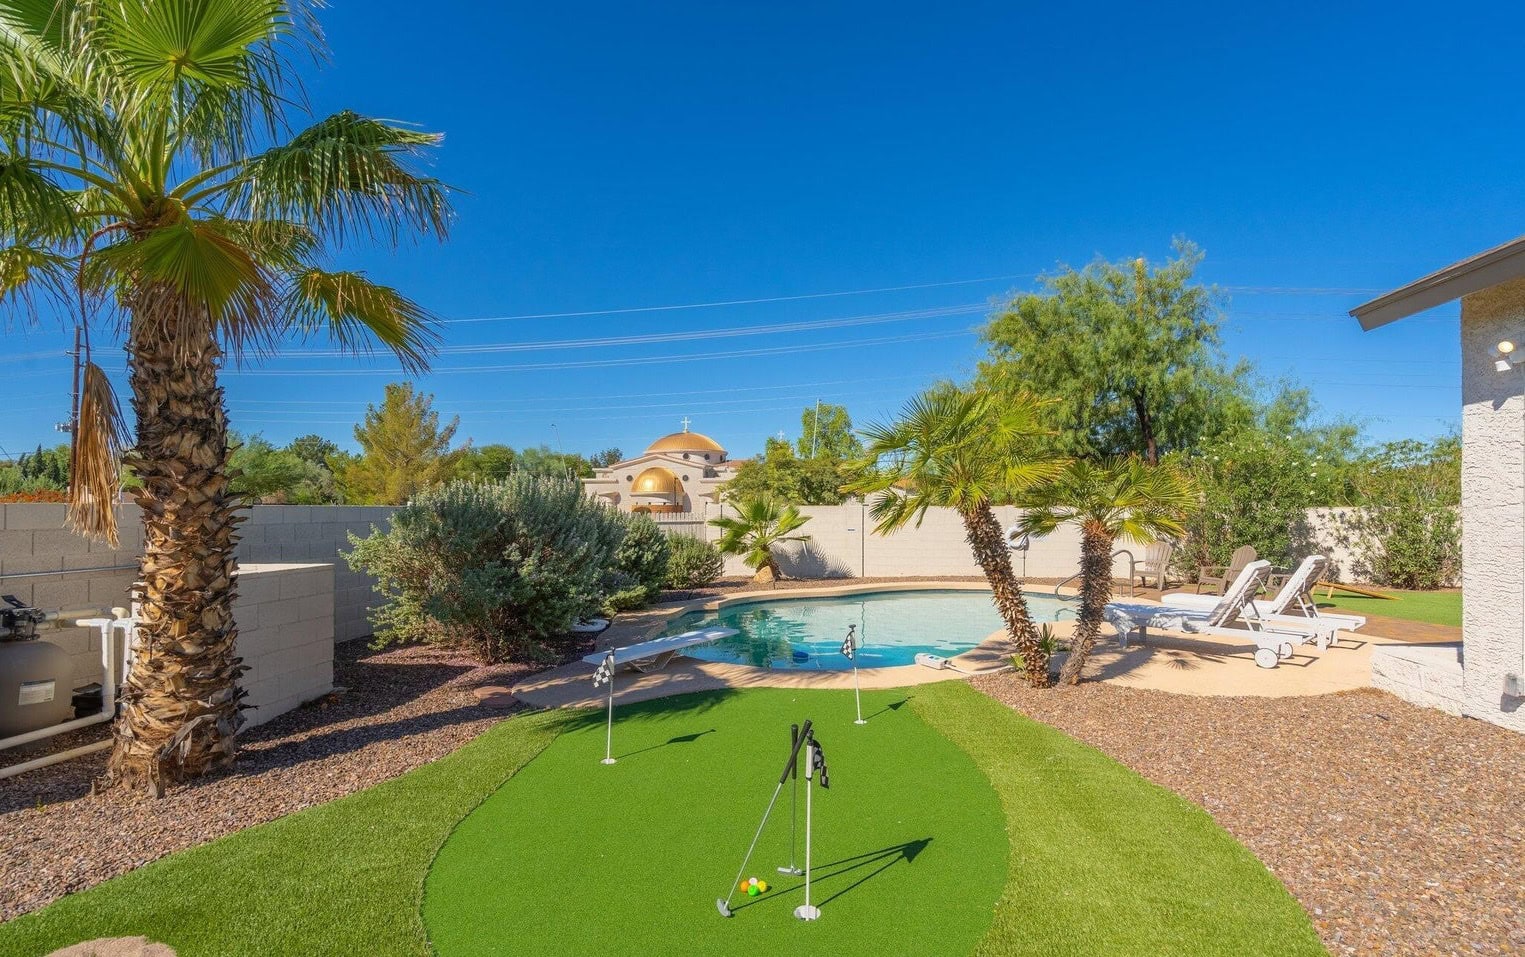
(791, 869)
(720, 905)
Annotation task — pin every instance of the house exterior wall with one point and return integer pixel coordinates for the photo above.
(1493, 506)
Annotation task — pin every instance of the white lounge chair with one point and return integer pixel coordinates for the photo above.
(1272, 642)
(1295, 596)
(654, 655)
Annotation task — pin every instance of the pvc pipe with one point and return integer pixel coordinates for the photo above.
(107, 628)
(54, 729)
(48, 759)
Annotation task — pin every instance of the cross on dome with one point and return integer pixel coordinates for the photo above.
(685, 423)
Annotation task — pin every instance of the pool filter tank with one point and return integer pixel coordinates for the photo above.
(35, 676)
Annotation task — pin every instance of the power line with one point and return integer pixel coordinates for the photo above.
(740, 302)
(664, 337)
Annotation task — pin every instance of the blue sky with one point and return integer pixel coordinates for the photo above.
(616, 156)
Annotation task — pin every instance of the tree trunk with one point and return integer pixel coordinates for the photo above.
(1095, 592)
(987, 541)
(1146, 429)
(180, 706)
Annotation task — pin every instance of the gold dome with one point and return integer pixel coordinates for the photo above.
(654, 482)
(685, 442)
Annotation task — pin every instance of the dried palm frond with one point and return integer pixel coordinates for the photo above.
(95, 458)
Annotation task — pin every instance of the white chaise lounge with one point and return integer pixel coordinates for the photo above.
(1272, 642)
(648, 656)
(1295, 596)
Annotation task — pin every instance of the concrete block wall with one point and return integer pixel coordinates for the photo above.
(285, 616)
(843, 544)
(319, 533)
(1427, 675)
(33, 539)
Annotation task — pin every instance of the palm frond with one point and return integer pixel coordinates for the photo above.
(95, 458)
(28, 268)
(358, 314)
(347, 173)
(32, 205)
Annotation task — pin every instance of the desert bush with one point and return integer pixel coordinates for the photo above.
(641, 560)
(498, 569)
(1408, 531)
(693, 563)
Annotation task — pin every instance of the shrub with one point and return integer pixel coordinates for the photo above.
(1408, 530)
(641, 560)
(693, 563)
(494, 568)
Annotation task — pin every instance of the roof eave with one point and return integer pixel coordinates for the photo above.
(1474, 274)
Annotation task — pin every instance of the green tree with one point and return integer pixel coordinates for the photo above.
(542, 460)
(403, 449)
(759, 525)
(1130, 351)
(147, 176)
(968, 451)
(313, 448)
(1107, 499)
(780, 474)
(261, 471)
(1407, 529)
(486, 463)
(606, 458)
(826, 431)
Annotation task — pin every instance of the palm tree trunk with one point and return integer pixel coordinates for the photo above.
(180, 706)
(1095, 592)
(988, 543)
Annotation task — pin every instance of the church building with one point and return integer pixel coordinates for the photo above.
(677, 473)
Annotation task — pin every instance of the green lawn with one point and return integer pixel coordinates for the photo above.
(952, 822)
(1432, 607)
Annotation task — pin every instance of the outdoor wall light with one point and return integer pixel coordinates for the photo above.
(1506, 355)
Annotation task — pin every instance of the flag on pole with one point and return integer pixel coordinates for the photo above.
(605, 670)
(850, 643)
(818, 761)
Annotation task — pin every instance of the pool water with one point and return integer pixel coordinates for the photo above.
(893, 627)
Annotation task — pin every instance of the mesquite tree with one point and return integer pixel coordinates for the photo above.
(149, 181)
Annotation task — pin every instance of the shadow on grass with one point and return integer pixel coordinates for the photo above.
(877, 861)
(679, 739)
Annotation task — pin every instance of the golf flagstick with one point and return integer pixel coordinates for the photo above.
(724, 904)
(605, 674)
(850, 645)
(794, 799)
(815, 761)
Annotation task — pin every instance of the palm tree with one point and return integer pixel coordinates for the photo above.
(968, 451)
(760, 523)
(1116, 498)
(146, 176)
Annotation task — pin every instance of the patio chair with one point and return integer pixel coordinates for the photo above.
(1273, 642)
(654, 655)
(1293, 605)
(1156, 562)
(1219, 576)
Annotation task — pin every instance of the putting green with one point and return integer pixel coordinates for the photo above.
(571, 856)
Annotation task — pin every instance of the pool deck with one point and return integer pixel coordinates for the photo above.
(1180, 664)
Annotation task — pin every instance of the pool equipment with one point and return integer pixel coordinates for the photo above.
(32, 679)
(850, 645)
(939, 663)
(815, 769)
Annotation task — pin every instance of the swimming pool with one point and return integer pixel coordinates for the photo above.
(893, 627)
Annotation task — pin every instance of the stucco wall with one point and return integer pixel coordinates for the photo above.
(1493, 506)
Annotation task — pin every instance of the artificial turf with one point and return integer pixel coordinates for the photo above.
(575, 857)
(1433, 607)
(953, 826)
(341, 879)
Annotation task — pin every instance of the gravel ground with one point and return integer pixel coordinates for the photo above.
(402, 708)
(1399, 828)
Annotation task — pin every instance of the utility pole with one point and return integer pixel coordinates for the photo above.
(815, 433)
(73, 422)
